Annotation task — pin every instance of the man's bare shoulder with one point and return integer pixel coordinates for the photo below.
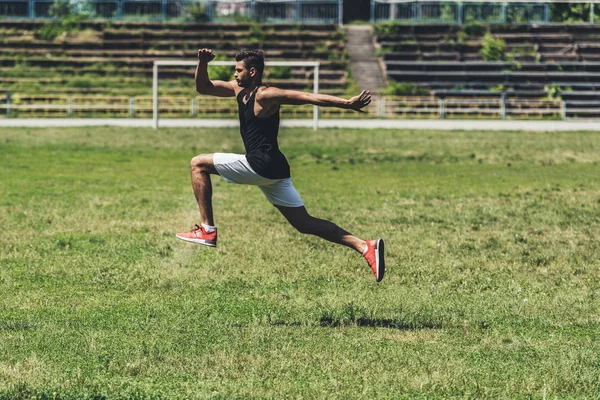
(267, 92)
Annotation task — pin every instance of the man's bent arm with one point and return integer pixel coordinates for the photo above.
(213, 88)
(274, 95)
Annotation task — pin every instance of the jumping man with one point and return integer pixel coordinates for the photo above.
(264, 165)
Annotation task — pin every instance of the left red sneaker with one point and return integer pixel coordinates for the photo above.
(200, 236)
(374, 256)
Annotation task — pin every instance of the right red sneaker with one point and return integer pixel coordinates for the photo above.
(200, 236)
(374, 256)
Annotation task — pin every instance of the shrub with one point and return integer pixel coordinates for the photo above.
(475, 30)
(280, 72)
(493, 48)
(220, 72)
(60, 9)
(404, 89)
(198, 13)
(554, 91)
(51, 30)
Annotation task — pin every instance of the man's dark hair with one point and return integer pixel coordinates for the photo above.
(252, 58)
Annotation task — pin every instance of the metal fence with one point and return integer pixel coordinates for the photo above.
(301, 11)
(392, 107)
(469, 11)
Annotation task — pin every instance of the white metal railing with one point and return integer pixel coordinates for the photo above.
(213, 107)
(468, 11)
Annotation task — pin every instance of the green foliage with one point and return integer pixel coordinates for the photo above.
(220, 72)
(497, 88)
(492, 48)
(404, 89)
(83, 82)
(570, 12)
(461, 37)
(448, 12)
(281, 72)
(381, 51)
(387, 28)
(339, 56)
(51, 30)
(554, 90)
(60, 9)
(475, 30)
(198, 12)
(256, 34)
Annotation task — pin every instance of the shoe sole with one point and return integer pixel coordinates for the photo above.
(197, 241)
(380, 260)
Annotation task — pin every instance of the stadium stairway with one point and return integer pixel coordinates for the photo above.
(366, 68)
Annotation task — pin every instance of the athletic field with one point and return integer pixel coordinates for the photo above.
(492, 288)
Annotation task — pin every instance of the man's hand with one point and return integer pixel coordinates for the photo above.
(360, 101)
(205, 55)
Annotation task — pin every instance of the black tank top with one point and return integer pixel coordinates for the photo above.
(260, 140)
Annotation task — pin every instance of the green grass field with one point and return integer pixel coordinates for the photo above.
(492, 288)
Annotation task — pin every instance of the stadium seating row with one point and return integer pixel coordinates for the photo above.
(556, 61)
(95, 57)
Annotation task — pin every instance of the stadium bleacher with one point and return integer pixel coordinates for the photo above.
(100, 59)
(114, 58)
(128, 49)
(448, 61)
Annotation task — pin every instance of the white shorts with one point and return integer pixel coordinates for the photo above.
(234, 168)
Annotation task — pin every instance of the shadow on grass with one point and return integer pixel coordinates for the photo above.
(330, 321)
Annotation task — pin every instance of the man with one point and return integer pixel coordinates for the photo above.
(263, 164)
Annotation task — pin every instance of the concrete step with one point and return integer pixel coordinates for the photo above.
(365, 66)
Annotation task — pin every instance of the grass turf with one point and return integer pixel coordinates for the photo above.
(492, 287)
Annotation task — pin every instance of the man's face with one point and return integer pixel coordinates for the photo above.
(243, 75)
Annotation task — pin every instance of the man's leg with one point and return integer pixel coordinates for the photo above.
(372, 251)
(202, 166)
(299, 218)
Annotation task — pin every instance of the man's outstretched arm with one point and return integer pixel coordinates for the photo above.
(272, 96)
(203, 84)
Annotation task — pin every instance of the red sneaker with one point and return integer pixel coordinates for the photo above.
(200, 236)
(374, 256)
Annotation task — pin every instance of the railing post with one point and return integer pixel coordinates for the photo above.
(70, 106)
(31, 9)
(503, 106)
(372, 11)
(504, 8)
(252, 11)
(316, 90)
(380, 100)
(8, 99)
(193, 106)
(210, 10)
(155, 96)
(340, 13)
(459, 13)
(592, 13)
(442, 109)
(563, 109)
(131, 107)
(163, 9)
(297, 11)
(119, 9)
